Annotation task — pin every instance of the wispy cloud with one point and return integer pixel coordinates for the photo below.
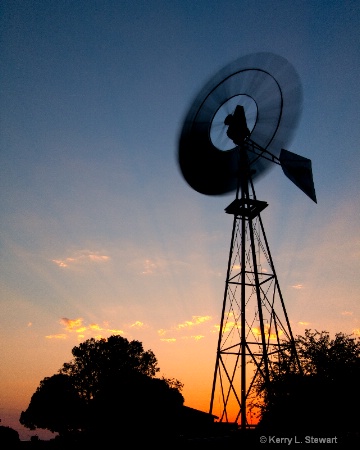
(149, 267)
(56, 336)
(230, 326)
(347, 313)
(137, 324)
(298, 286)
(82, 257)
(195, 321)
(156, 265)
(195, 338)
(230, 323)
(83, 330)
(227, 326)
(268, 332)
(184, 326)
(72, 324)
(304, 323)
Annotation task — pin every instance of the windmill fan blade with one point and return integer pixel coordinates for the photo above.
(298, 170)
(271, 85)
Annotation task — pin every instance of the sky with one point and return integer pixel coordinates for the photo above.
(99, 232)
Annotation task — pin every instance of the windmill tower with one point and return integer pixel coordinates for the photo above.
(234, 131)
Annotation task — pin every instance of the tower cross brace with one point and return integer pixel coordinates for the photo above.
(255, 333)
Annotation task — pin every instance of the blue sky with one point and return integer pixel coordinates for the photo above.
(99, 231)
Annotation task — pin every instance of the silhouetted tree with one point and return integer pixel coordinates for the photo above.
(9, 438)
(56, 406)
(97, 361)
(113, 390)
(140, 406)
(325, 397)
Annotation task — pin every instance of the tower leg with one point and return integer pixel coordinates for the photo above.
(254, 331)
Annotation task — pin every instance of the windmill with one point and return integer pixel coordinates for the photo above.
(235, 130)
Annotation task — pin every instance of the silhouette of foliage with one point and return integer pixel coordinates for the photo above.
(9, 438)
(95, 361)
(56, 406)
(109, 387)
(145, 407)
(325, 397)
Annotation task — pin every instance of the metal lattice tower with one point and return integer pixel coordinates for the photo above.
(235, 129)
(254, 329)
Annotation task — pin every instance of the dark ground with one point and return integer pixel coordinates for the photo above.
(241, 440)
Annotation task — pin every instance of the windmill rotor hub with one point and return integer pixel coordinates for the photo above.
(237, 127)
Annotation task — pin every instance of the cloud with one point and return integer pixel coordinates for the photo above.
(195, 321)
(95, 327)
(298, 286)
(229, 323)
(137, 324)
(84, 330)
(82, 258)
(347, 313)
(156, 266)
(195, 338)
(56, 336)
(184, 326)
(150, 266)
(256, 331)
(72, 324)
(228, 326)
(304, 323)
(268, 332)
(64, 262)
